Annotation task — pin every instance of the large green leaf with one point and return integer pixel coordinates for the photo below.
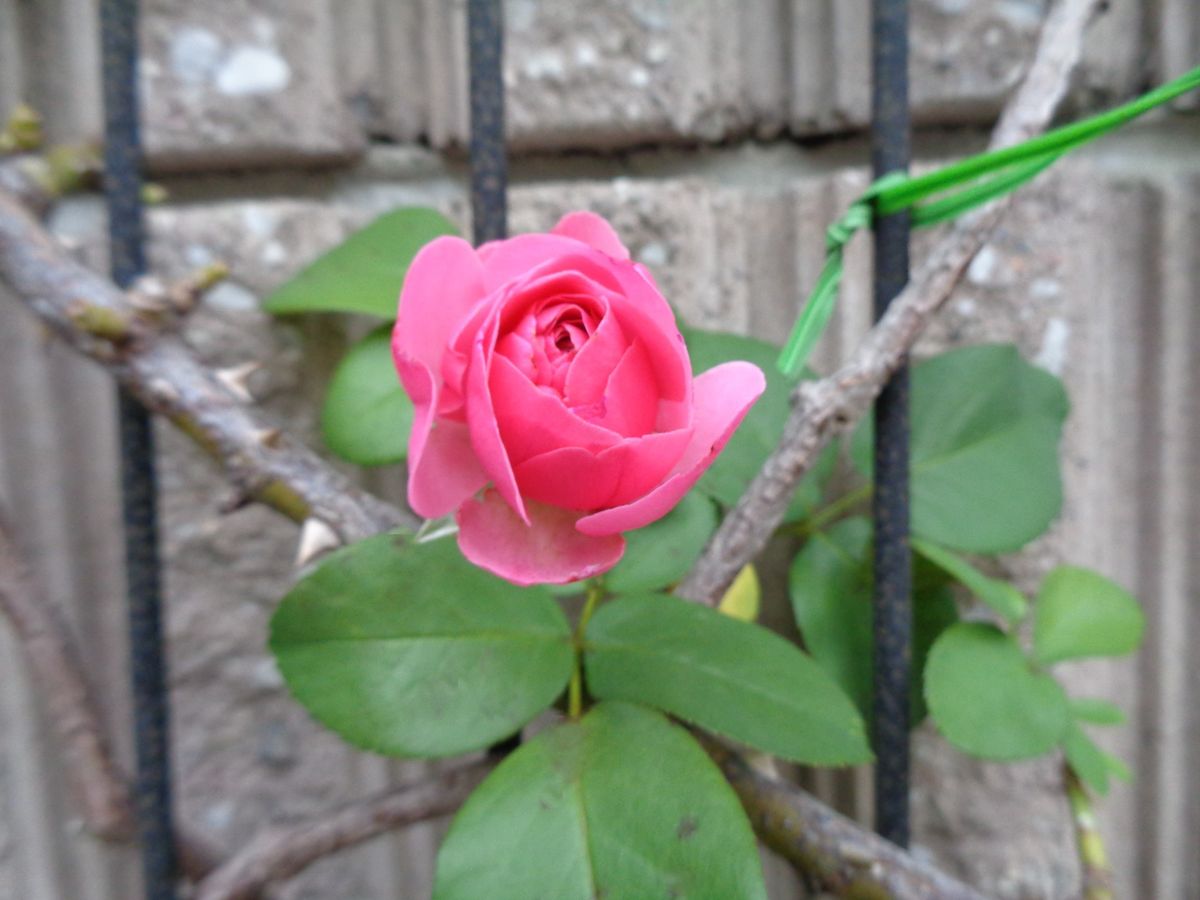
(984, 452)
(1081, 613)
(759, 433)
(661, 553)
(734, 678)
(830, 587)
(1001, 596)
(367, 415)
(619, 804)
(986, 699)
(408, 649)
(364, 273)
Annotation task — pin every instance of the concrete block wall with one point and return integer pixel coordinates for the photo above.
(279, 126)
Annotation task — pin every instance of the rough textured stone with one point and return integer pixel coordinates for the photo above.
(242, 83)
(621, 72)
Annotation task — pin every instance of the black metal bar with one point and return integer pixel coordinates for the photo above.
(489, 158)
(122, 190)
(890, 139)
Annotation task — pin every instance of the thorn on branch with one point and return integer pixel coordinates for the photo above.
(268, 437)
(236, 379)
(316, 538)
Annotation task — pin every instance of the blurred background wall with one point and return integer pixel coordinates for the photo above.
(720, 137)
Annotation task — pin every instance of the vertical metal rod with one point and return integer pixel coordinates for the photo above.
(489, 158)
(890, 139)
(122, 189)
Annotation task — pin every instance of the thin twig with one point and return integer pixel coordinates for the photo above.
(100, 788)
(280, 853)
(824, 409)
(1093, 858)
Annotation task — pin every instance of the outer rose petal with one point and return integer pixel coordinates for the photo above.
(516, 257)
(722, 397)
(444, 281)
(593, 230)
(570, 477)
(485, 431)
(444, 470)
(549, 550)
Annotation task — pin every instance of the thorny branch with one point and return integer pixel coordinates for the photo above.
(824, 409)
(103, 323)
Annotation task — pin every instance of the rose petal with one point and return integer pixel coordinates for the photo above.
(447, 473)
(443, 283)
(722, 397)
(667, 354)
(549, 550)
(645, 461)
(631, 395)
(571, 477)
(592, 230)
(443, 468)
(485, 431)
(593, 365)
(524, 255)
(533, 421)
(639, 286)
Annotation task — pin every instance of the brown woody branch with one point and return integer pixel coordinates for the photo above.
(280, 853)
(110, 326)
(100, 788)
(824, 409)
(830, 850)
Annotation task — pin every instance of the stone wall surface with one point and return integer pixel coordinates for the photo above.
(1093, 275)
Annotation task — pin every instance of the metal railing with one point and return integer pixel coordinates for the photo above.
(489, 182)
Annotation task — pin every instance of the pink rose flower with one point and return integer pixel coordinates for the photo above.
(555, 403)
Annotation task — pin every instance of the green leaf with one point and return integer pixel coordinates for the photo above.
(1086, 759)
(730, 474)
(619, 804)
(363, 274)
(984, 452)
(1117, 768)
(1002, 597)
(408, 649)
(830, 587)
(985, 698)
(661, 553)
(1081, 613)
(1096, 712)
(367, 415)
(731, 677)
(934, 610)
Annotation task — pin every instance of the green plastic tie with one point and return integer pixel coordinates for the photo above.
(947, 193)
